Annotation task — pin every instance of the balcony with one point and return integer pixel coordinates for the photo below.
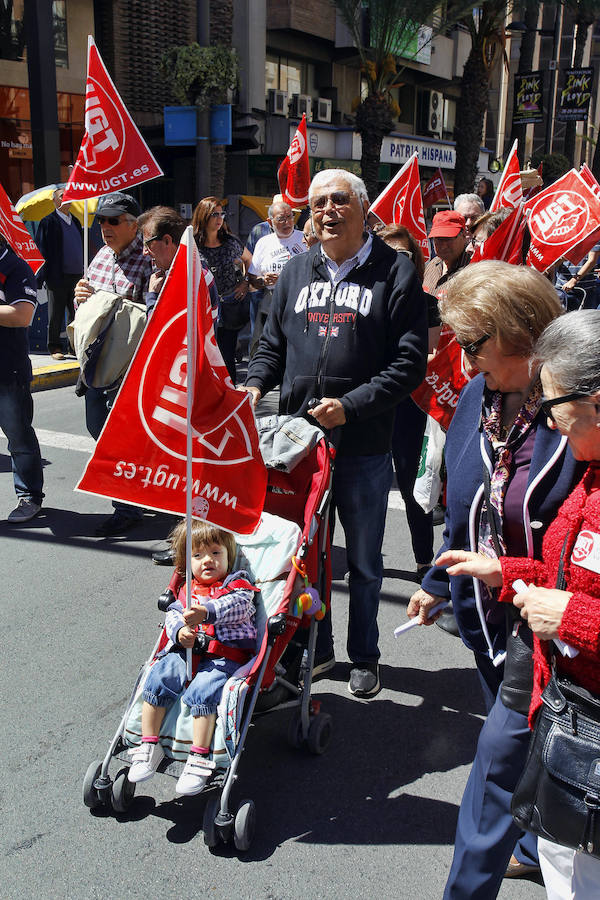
(313, 17)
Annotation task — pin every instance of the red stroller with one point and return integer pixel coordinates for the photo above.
(278, 676)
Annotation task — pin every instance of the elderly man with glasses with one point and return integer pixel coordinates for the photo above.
(270, 256)
(347, 339)
(121, 267)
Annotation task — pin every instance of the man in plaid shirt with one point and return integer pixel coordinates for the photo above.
(121, 267)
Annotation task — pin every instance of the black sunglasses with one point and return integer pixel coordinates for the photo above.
(338, 198)
(556, 401)
(148, 241)
(472, 348)
(112, 220)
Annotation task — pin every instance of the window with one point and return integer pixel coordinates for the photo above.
(59, 25)
(291, 75)
(12, 30)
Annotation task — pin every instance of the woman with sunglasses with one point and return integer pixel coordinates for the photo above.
(228, 260)
(508, 474)
(570, 377)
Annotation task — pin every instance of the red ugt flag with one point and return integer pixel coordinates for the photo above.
(510, 190)
(140, 456)
(294, 172)
(401, 203)
(13, 229)
(434, 190)
(506, 242)
(559, 218)
(577, 253)
(113, 155)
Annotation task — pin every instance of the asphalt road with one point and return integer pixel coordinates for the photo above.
(373, 817)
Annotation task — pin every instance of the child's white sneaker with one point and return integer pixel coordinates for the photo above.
(196, 773)
(145, 761)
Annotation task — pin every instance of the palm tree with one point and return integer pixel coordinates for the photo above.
(530, 10)
(486, 28)
(382, 31)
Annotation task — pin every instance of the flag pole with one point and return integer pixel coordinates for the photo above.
(86, 235)
(190, 368)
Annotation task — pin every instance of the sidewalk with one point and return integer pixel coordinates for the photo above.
(51, 373)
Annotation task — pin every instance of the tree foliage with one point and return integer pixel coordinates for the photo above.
(486, 29)
(200, 76)
(383, 32)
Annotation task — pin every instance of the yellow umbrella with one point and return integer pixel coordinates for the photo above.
(36, 204)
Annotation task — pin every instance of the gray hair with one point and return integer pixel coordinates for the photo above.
(569, 348)
(469, 198)
(356, 184)
(280, 202)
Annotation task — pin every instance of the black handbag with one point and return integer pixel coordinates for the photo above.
(558, 794)
(234, 313)
(517, 680)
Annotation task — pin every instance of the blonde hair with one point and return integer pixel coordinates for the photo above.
(203, 534)
(511, 303)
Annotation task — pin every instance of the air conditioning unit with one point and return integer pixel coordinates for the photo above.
(435, 116)
(301, 103)
(323, 109)
(278, 102)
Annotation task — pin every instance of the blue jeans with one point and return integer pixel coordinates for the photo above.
(166, 681)
(361, 486)
(16, 416)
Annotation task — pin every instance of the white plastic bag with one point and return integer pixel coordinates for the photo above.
(428, 485)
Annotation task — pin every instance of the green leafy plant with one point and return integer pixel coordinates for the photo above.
(200, 76)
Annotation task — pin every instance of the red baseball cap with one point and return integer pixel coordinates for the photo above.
(447, 224)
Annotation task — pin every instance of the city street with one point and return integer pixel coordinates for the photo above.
(373, 817)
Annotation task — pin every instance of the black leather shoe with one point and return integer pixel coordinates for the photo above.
(163, 557)
(447, 623)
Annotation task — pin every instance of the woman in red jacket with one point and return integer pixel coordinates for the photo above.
(568, 352)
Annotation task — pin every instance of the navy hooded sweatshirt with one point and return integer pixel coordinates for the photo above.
(364, 342)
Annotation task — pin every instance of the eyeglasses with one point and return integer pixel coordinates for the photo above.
(338, 198)
(566, 398)
(218, 215)
(472, 348)
(281, 220)
(112, 220)
(148, 241)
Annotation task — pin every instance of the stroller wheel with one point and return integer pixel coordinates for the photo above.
(122, 792)
(294, 733)
(211, 833)
(244, 825)
(90, 794)
(319, 733)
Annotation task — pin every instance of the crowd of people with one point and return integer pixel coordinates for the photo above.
(346, 318)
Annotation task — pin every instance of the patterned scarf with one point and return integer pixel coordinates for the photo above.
(503, 450)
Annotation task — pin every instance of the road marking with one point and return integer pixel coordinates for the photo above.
(395, 500)
(84, 444)
(65, 441)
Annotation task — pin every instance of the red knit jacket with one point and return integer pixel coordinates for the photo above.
(580, 626)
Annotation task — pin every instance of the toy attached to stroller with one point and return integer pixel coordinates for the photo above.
(287, 558)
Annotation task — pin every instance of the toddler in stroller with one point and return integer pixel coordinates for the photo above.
(222, 606)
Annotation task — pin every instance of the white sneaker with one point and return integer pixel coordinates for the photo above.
(145, 761)
(24, 511)
(195, 774)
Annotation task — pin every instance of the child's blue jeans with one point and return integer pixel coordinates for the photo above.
(167, 677)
